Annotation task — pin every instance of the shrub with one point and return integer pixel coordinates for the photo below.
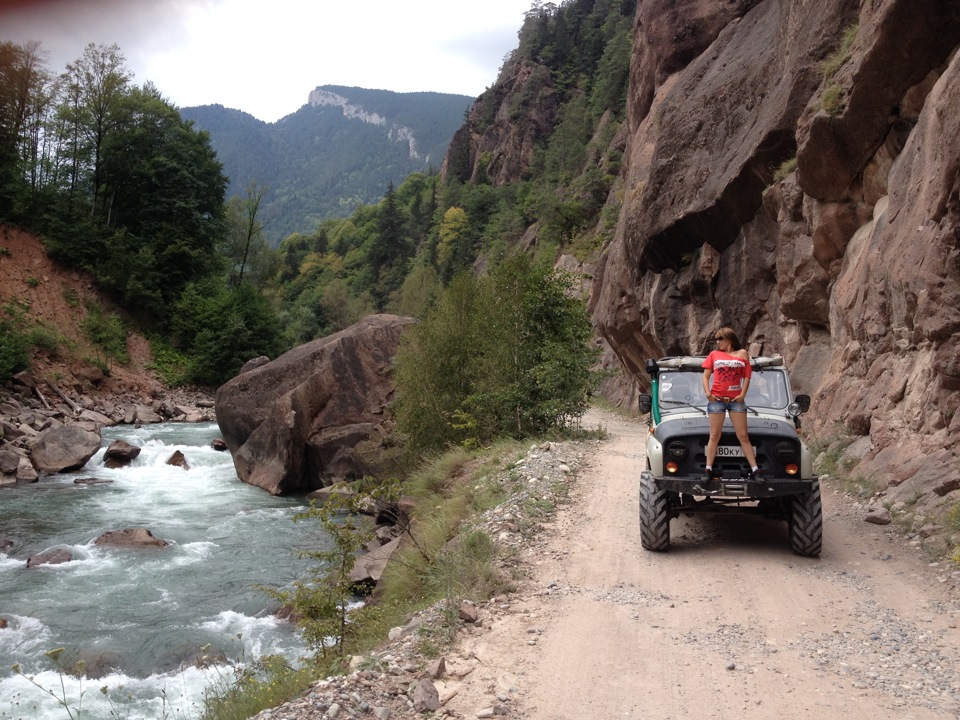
(106, 332)
(14, 350)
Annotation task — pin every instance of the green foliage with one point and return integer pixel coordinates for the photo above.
(265, 683)
(785, 168)
(14, 349)
(47, 339)
(321, 603)
(106, 332)
(833, 98)
(173, 366)
(223, 327)
(507, 355)
(839, 57)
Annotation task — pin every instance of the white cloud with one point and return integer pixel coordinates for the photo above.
(265, 57)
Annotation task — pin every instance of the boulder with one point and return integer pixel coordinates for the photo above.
(26, 473)
(130, 537)
(95, 417)
(49, 557)
(145, 415)
(218, 444)
(368, 568)
(64, 448)
(120, 453)
(9, 462)
(294, 424)
(178, 459)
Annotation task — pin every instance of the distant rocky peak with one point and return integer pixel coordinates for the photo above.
(325, 97)
(397, 133)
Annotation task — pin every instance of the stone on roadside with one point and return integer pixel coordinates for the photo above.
(468, 612)
(425, 696)
(437, 669)
(878, 516)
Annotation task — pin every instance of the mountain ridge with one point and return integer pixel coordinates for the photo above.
(338, 151)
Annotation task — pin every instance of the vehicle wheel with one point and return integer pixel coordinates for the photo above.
(654, 515)
(806, 523)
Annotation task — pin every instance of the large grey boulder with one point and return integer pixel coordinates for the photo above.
(294, 424)
(64, 448)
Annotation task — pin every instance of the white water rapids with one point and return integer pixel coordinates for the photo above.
(140, 618)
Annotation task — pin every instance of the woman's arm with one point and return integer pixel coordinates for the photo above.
(707, 372)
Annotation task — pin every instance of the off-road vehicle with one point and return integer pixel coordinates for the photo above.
(673, 482)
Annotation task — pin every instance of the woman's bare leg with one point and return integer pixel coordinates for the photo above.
(739, 420)
(716, 428)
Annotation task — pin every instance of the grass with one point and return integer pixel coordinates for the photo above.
(264, 684)
(833, 99)
(786, 167)
(828, 453)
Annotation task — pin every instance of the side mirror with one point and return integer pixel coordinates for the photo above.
(645, 402)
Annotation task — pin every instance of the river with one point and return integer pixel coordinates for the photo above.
(140, 618)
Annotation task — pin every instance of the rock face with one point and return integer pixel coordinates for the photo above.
(789, 169)
(294, 424)
(848, 261)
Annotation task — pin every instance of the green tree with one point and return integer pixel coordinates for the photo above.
(97, 85)
(246, 248)
(389, 248)
(505, 355)
(24, 96)
(224, 327)
(166, 191)
(453, 249)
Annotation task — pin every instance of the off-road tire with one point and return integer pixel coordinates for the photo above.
(654, 515)
(806, 523)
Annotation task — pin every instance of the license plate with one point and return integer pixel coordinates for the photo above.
(728, 451)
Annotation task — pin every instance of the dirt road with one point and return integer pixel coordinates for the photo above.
(727, 624)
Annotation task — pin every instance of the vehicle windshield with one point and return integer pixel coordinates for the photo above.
(678, 390)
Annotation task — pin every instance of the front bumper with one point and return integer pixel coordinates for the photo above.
(735, 487)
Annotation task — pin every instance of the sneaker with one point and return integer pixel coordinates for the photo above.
(755, 476)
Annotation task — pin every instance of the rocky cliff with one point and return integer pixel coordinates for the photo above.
(792, 169)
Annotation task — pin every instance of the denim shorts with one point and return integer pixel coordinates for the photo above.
(722, 406)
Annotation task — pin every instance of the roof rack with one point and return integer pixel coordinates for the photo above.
(695, 362)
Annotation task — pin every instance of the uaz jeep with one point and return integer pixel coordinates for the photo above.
(673, 482)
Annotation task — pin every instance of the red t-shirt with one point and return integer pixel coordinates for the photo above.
(728, 374)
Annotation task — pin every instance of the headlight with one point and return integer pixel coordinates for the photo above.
(785, 452)
(677, 449)
(794, 409)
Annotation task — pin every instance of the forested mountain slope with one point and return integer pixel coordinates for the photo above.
(339, 150)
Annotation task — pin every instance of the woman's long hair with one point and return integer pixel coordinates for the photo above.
(729, 334)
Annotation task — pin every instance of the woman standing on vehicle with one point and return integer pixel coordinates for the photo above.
(729, 368)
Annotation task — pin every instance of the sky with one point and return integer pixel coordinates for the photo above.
(265, 56)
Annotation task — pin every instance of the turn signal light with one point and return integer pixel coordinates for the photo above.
(792, 469)
(672, 467)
